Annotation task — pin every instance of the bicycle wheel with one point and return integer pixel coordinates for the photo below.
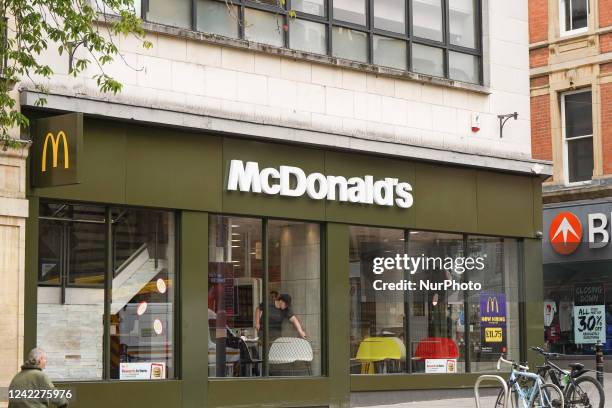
(588, 393)
(548, 396)
(512, 401)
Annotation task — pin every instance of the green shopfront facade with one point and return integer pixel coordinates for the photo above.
(160, 195)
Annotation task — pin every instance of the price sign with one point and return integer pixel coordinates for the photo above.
(589, 324)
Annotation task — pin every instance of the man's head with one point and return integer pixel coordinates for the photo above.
(38, 357)
(284, 301)
(273, 295)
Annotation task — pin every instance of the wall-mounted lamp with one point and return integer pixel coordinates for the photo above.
(502, 121)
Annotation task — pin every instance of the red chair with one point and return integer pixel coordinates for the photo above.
(436, 348)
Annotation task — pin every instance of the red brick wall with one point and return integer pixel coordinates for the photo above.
(605, 68)
(539, 81)
(538, 57)
(606, 126)
(538, 20)
(605, 42)
(541, 139)
(605, 13)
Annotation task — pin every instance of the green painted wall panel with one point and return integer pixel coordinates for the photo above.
(271, 155)
(173, 169)
(412, 382)
(338, 313)
(537, 204)
(31, 277)
(103, 166)
(125, 394)
(268, 392)
(357, 165)
(194, 307)
(445, 198)
(505, 204)
(534, 292)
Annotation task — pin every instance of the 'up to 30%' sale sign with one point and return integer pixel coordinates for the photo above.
(589, 314)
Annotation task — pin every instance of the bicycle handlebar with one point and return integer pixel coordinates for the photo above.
(512, 363)
(544, 353)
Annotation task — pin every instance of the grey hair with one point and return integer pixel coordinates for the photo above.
(35, 355)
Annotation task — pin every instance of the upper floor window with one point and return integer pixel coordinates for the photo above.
(577, 116)
(434, 37)
(573, 16)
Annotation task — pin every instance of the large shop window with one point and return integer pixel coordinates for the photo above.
(116, 273)
(578, 306)
(577, 117)
(264, 298)
(431, 329)
(434, 37)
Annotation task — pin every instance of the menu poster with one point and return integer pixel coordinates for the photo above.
(142, 371)
(493, 322)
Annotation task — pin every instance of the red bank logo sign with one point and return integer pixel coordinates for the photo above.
(565, 233)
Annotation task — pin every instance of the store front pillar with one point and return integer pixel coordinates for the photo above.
(13, 213)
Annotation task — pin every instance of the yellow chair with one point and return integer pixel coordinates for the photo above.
(374, 349)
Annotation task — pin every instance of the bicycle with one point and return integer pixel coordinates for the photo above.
(579, 391)
(527, 389)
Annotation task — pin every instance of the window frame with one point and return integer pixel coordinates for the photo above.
(369, 29)
(565, 140)
(107, 285)
(265, 372)
(563, 32)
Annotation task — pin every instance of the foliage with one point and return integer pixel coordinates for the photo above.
(33, 26)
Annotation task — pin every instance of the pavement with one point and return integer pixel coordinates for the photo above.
(486, 402)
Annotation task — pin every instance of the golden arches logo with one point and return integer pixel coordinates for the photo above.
(492, 305)
(55, 141)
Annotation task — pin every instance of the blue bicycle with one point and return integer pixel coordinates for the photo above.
(527, 390)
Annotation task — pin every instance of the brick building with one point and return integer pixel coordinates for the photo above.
(570, 61)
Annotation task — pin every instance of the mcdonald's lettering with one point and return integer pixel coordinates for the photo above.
(55, 142)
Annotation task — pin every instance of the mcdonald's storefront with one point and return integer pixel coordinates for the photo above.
(168, 267)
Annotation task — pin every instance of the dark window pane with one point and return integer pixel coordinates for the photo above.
(390, 15)
(580, 159)
(579, 13)
(86, 240)
(427, 19)
(217, 17)
(427, 60)
(294, 271)
(578, 114)
(307, 36)
(235, 273)
(174, 13)
(437, 320)
(463, 67)
(462, 23)
(351, 11)
(350, 44)
(50, 257)
(499, 280)
(142, 308)
(377, 317)
(390, 52)
(316, 7)
(263, 27)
